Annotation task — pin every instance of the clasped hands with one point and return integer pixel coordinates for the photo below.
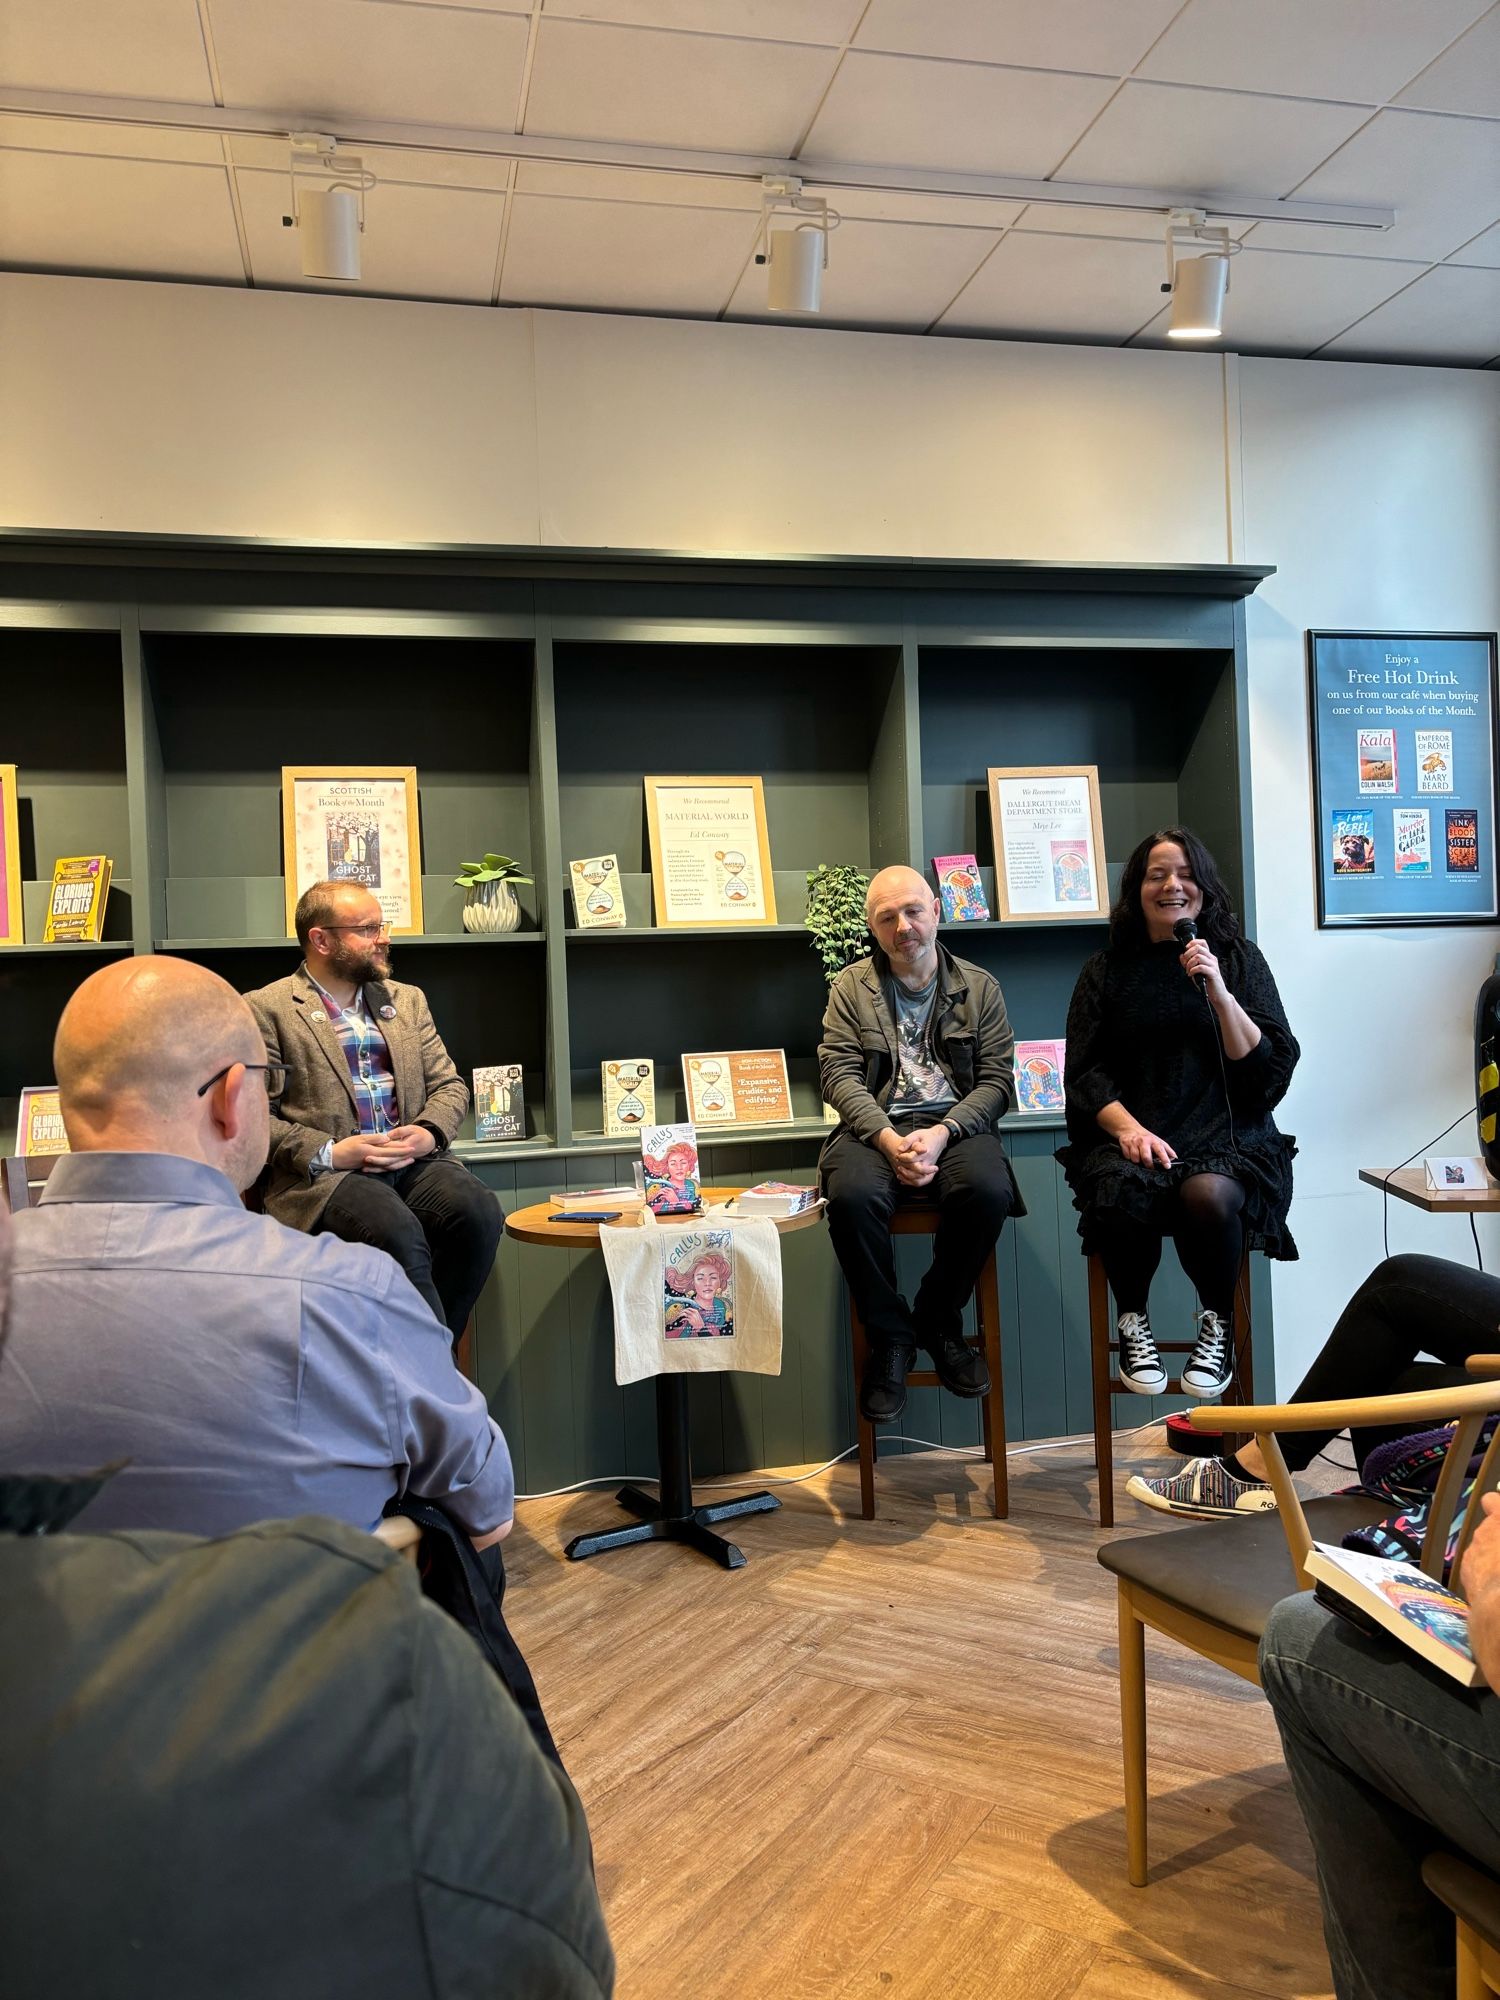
(914, 1156)
(385, 1152)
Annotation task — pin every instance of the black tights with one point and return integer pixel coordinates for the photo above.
(1207, 1230)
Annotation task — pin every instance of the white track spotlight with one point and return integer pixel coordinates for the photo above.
(1198, 284)
(330, 218)
(797, 253)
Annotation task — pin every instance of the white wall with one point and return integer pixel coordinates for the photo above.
(178, 409)
(1376, 492)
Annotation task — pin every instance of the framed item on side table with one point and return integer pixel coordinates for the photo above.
(710, 856)
(737, 1087)
(12, 927)
(354, 823)
(1049, 843)
(1403, 769)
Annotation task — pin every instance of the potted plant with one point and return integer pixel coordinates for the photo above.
(490, 905)
(836, 916)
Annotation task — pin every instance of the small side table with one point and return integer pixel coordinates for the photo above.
(1410, 1184)
(672, 1517)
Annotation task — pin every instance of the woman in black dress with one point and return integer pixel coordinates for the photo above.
(1177, 1055)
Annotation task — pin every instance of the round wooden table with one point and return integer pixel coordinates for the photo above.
(671, 1516)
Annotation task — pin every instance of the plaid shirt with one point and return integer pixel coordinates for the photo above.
(369, 1062)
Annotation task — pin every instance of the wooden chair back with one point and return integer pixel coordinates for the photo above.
(25, 1176)
(398, 1533)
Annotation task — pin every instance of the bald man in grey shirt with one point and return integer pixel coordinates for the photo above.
(244, 1370)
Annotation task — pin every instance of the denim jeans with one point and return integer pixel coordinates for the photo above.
(1389, 1759)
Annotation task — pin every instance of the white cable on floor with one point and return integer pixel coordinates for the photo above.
(797, 1478)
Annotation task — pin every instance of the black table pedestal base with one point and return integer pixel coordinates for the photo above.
(674, 1518)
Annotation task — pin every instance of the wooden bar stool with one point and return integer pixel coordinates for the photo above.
(1104, 1348)
(915, 1219)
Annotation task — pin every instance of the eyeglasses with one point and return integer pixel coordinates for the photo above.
(368, 932)
(273, 1074)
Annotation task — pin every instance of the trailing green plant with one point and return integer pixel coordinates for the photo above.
(493, 868)
(836, 916)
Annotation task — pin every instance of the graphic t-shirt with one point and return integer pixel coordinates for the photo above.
(921, 1092)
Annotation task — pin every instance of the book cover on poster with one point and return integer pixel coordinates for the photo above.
(598, 899)
(960, 889)
(737, 1087)
(1354, 842)
(1432, 1620)
(669, 1158)
(499, 1103)
(1434, 760)
(1377, 759)
(1411, 837)
(80, 891)
(1461, 833)
(1039, 1075)
(39, 1128)
(628, 1089)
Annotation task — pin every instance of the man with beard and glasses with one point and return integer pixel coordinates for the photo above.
(360, 1134)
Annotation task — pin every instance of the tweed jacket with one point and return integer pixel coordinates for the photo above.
(318, 1102)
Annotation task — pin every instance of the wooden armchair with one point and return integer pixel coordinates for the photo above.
(1212, 1587)
(1473, 1895)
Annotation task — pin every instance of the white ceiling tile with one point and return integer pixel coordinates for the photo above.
(1282, 302)
(1441, 175)
(1483, 249)
(1067, 288)
(621, 257)
(1452, 314)
(419, 242)
(1359, 49)
(906, 112)
(150, 48)
(826, 21)
(646, 87)
(333, 60)
(117, 217)
(890, 276)
(636, 184)
(1207, 141)
(110, 142)
(1465, 77)
(1137, 225)
(1108, 36)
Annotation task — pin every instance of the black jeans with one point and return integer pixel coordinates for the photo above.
(974, 1192)
(440, 1224)
(1406, 1307)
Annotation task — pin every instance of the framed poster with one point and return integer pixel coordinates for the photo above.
(12, 928)
(1049, 844)
(710, 858)
(354, 823)
(738, 1087)
(1403, 769)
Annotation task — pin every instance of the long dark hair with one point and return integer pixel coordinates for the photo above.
(1216, 920)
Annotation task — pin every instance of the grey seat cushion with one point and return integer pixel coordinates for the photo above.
(1232, 1571)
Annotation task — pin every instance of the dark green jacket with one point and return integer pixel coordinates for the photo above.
(265, 1765)
(971, 1038)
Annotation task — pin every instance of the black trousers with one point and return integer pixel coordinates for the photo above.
(440, 1224)
(974, 1193)
(1408, 1306)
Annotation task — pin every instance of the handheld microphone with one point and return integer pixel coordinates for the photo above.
(1185, 930)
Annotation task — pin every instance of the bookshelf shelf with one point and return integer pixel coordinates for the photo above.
(870, 700)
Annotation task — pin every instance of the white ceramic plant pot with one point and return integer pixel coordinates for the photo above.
(490, 908)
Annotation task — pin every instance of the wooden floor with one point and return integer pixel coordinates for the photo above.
(883, 1759)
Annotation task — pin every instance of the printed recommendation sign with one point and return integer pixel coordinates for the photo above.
(1403, 756)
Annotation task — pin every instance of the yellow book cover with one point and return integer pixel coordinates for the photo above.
(75, 909)
(39, 1129)
(629, 1091)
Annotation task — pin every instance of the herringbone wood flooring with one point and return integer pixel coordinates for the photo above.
(883, 1759)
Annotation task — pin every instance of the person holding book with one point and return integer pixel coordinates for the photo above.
(1389, 1759)
(1178, 1052)
(916, 1059)
(360, 1134)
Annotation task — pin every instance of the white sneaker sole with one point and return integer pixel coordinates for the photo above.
(1209, 1392)
(1140, 1385)
(1137, 1489)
